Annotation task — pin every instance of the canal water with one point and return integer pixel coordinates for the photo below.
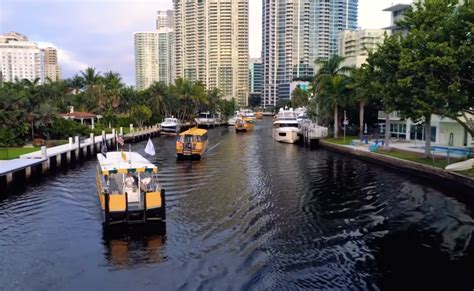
(253, 214)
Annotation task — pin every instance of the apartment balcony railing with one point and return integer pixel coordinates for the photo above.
(393, 115)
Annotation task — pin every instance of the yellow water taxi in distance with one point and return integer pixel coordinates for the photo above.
(129, 192)
(259, 115)
(192, 143)
(244, 124)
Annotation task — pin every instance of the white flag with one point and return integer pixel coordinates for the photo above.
(150, 149)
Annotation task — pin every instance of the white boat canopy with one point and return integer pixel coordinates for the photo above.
(125, 162)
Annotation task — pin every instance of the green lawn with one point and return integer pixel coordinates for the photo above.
(341, 140)
(416, 157)
(125, 130)
(13, 153)
(438, 162)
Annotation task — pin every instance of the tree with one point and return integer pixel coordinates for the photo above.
(213, 99)
(384, 64)
(129, 97)
(432, 63)
(112, 84)
(299, 97)
(362, 91)
(94, 99)
(333, 95)
(330, 84)
(190, 95)
(140, 114)
(156, 95)
(227, 107)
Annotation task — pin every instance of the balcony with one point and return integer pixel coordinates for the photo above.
(393, 115)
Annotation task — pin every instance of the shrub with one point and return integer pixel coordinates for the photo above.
(63, 128)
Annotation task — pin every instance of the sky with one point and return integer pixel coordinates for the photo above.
(99, 33)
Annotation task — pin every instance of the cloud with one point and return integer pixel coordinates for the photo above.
(68, 62)
(4, 16)
(371, 14)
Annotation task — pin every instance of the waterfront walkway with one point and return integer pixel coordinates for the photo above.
(43, 155)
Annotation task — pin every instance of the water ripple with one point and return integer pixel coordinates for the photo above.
(252, 214)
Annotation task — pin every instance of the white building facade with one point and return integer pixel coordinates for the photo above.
(19, 58)
(211, 45)
(146, 59)
(444, 131)
(154, 51)
(165, 19)
(355, 46)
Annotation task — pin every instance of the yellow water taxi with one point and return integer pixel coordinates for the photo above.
(128, 189)
(192, 143)
(244, 124)
(259, 115)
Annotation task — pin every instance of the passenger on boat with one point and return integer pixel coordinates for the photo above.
(145, 184)
(129, 181)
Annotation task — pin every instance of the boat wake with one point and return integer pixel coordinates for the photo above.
(208, 151)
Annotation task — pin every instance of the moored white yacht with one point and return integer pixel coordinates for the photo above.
(205, 119)
(247, 113)
(301, 115)
(170, 125)
(285, 126)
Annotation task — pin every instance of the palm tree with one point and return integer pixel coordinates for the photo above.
(213, 98)
(129, 97)
(362, 90)
(112, 84)
(331, 86)
(75, 84)
(156, 94)
(191, 95)
(299, 97)
(94, 89)
(90, 76)
(333, 95)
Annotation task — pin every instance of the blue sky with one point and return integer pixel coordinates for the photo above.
(100, 33)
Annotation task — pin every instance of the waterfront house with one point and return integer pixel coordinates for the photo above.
(85, 118)
(444, 131)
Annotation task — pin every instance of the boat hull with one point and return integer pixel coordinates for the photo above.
(285, 136)
(170, 129)
(231, 122)
(120, 209)
(461, 166)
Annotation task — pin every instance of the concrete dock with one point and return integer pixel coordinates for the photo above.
(141, 133)
(42, 161)
(311, 133)
(39, 162)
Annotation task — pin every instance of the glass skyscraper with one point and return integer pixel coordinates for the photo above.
(294, 34)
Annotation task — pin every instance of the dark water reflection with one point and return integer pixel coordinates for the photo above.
(252, 214)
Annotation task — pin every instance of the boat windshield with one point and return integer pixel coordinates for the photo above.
(204, 115)
(192, 138)
(288, 125)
